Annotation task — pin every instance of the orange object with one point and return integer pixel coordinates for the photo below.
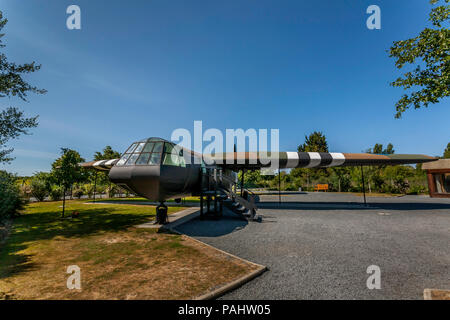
(320, 187)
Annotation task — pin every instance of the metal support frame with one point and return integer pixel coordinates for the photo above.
(95, 183)
(201, 204)
(279, 186)
(208, 204)
(201, 193)
(242, 181)
(364, 186)
(215, 194)
(211, 195)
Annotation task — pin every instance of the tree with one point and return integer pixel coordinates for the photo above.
(340, 179)
(447, 152)
(389, 149)
(56, 192)
(10, 200)
(374, 174)
(102, 176)
(315, 142)
(107, 154)
(251, 179)
(66, 171)
(13, 123)
(429, 52)
(378, 149)
(399, 178)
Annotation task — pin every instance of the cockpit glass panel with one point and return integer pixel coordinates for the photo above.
(122, 160)
(139, 147)
(168, 147)
(148, 147)
(132, 159)
(158, 147)
(173, 155)
(148, 152)
(155, 158)
(143, 159)
(171, 159)
(131, 148)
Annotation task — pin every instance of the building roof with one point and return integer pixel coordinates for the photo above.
(437, 165)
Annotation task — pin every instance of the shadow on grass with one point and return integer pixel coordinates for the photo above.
(144, 202)
(13, 263)
(47, 223)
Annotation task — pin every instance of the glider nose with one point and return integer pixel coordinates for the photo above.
(141, 180)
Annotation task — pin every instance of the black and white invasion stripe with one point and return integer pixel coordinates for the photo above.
(312, 159)
(104, 164)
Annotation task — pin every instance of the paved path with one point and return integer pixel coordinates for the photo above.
(320, 248)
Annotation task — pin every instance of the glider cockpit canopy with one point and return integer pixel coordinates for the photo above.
(147, 152)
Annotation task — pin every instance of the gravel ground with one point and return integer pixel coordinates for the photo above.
(319, 245)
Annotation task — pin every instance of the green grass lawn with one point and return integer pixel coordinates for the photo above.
(117, 260)
(43, 221)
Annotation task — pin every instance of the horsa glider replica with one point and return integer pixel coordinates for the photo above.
(158, 170)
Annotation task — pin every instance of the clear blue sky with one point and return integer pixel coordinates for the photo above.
(138, 69)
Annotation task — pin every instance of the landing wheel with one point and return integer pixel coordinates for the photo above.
(161, 214)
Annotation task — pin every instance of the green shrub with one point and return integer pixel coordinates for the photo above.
(40, 185)
(10, 200)
(417, 189)
(77, 193)
(400, 185)
(100, 189)
(56, 193)
(291, 187)
(88, 189)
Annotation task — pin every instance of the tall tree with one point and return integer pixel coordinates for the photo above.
(66, 171)
(378, 149)
(108, 153)
(101, 177)
(373, 174)
(429, 82)
(447, 152)
(389, 149)
(315, 142)
(13, 123)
